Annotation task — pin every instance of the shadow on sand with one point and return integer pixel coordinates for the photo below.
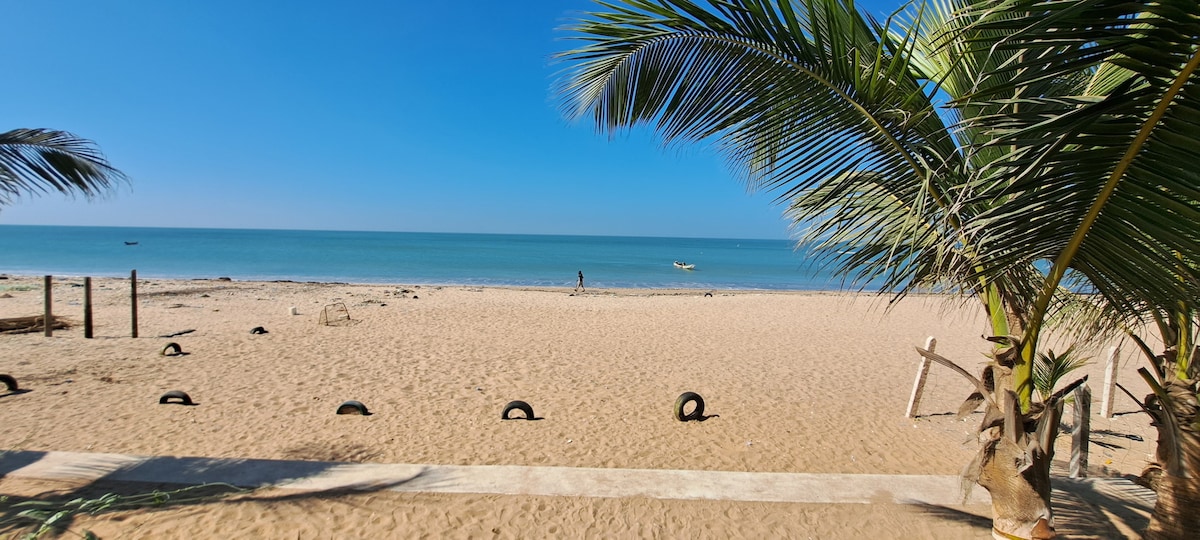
(111, 490)
(1085, 508)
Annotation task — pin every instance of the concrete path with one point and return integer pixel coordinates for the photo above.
(493, 479)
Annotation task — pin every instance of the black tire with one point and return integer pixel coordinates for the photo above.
(171, 349)
(258, 330)
(353, 407)
(183, 398)
(681, 404)
(10, 382)
(517, 406)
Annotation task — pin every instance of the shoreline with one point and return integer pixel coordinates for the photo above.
(76, 280)
(401, 282)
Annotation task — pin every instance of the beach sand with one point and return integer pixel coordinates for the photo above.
(794, 381)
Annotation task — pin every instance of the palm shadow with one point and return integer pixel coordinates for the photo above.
(123, 484)
(1088, 508)
(947, 513)
(1102, 507)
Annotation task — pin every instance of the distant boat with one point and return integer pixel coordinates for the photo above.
(684, 265)
(131, 243)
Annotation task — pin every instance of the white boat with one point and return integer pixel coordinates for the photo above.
(684, 265)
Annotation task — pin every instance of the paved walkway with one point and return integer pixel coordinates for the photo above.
(494, 479)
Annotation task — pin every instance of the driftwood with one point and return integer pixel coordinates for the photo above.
(32, 323)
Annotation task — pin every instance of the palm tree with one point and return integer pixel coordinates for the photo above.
(1121, 149)
(40, 160)
(836, 112)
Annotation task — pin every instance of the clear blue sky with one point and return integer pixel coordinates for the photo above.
(390, 116)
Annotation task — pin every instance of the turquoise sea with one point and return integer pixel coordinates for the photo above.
(409, 258)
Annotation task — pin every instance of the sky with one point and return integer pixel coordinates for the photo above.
(369, 116)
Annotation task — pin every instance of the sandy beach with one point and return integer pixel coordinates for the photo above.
(794, 382)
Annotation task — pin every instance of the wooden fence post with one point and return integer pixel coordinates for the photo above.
(1110, 383)
(133, 299)
(914, 400)
(87, 307)
(1083, 427)
(48, 317)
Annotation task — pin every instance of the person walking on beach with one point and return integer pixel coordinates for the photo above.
(579, 286)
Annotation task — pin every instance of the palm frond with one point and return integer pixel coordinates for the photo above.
(34, 161)
(1051, 368)
(1100, 183)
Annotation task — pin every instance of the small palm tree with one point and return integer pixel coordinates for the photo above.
(36, 161)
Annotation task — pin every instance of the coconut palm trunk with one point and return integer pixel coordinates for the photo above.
(1020, 499)
(1177, 511)
(1174, 406)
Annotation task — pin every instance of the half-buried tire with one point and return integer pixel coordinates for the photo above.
(9, 382)
(517, 406)
(353, 407)
(183, 398)
(258, 330)
(171, 349)
(681, 405)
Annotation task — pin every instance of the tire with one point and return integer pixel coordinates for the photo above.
(353, 407)
(183, 398)
(171, 349)
(518, 406)
(9, 382)
(681, 404)
(258, 330)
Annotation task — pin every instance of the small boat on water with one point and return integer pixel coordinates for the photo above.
(684, 266)
(131, 243)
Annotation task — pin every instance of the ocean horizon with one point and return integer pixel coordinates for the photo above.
(472, 259)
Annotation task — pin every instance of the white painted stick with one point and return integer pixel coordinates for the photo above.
(914, 401)
(1110, 383)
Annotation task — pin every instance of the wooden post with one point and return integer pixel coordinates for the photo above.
(133, 299)
(1083, 427)
(87, 307)
(1110, 383)
(48, 317)
(914, 400)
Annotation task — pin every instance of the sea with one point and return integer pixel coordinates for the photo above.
(410, 258)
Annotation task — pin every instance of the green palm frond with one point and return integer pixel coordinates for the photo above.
(38, 161)
(1101, 184)
(1051, 368)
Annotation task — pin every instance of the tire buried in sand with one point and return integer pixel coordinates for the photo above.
(9, 382)
(517, 406)
(171, 349)
(183, 398)
(681, 404)
(353, 407)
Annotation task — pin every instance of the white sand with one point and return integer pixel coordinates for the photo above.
(799, 382)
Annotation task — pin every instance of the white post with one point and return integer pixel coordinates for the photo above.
(1083, 426)
(914, 401)
(1110, 383)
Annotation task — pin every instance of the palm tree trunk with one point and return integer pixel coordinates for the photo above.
(1177, 512)
(1020, 498)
